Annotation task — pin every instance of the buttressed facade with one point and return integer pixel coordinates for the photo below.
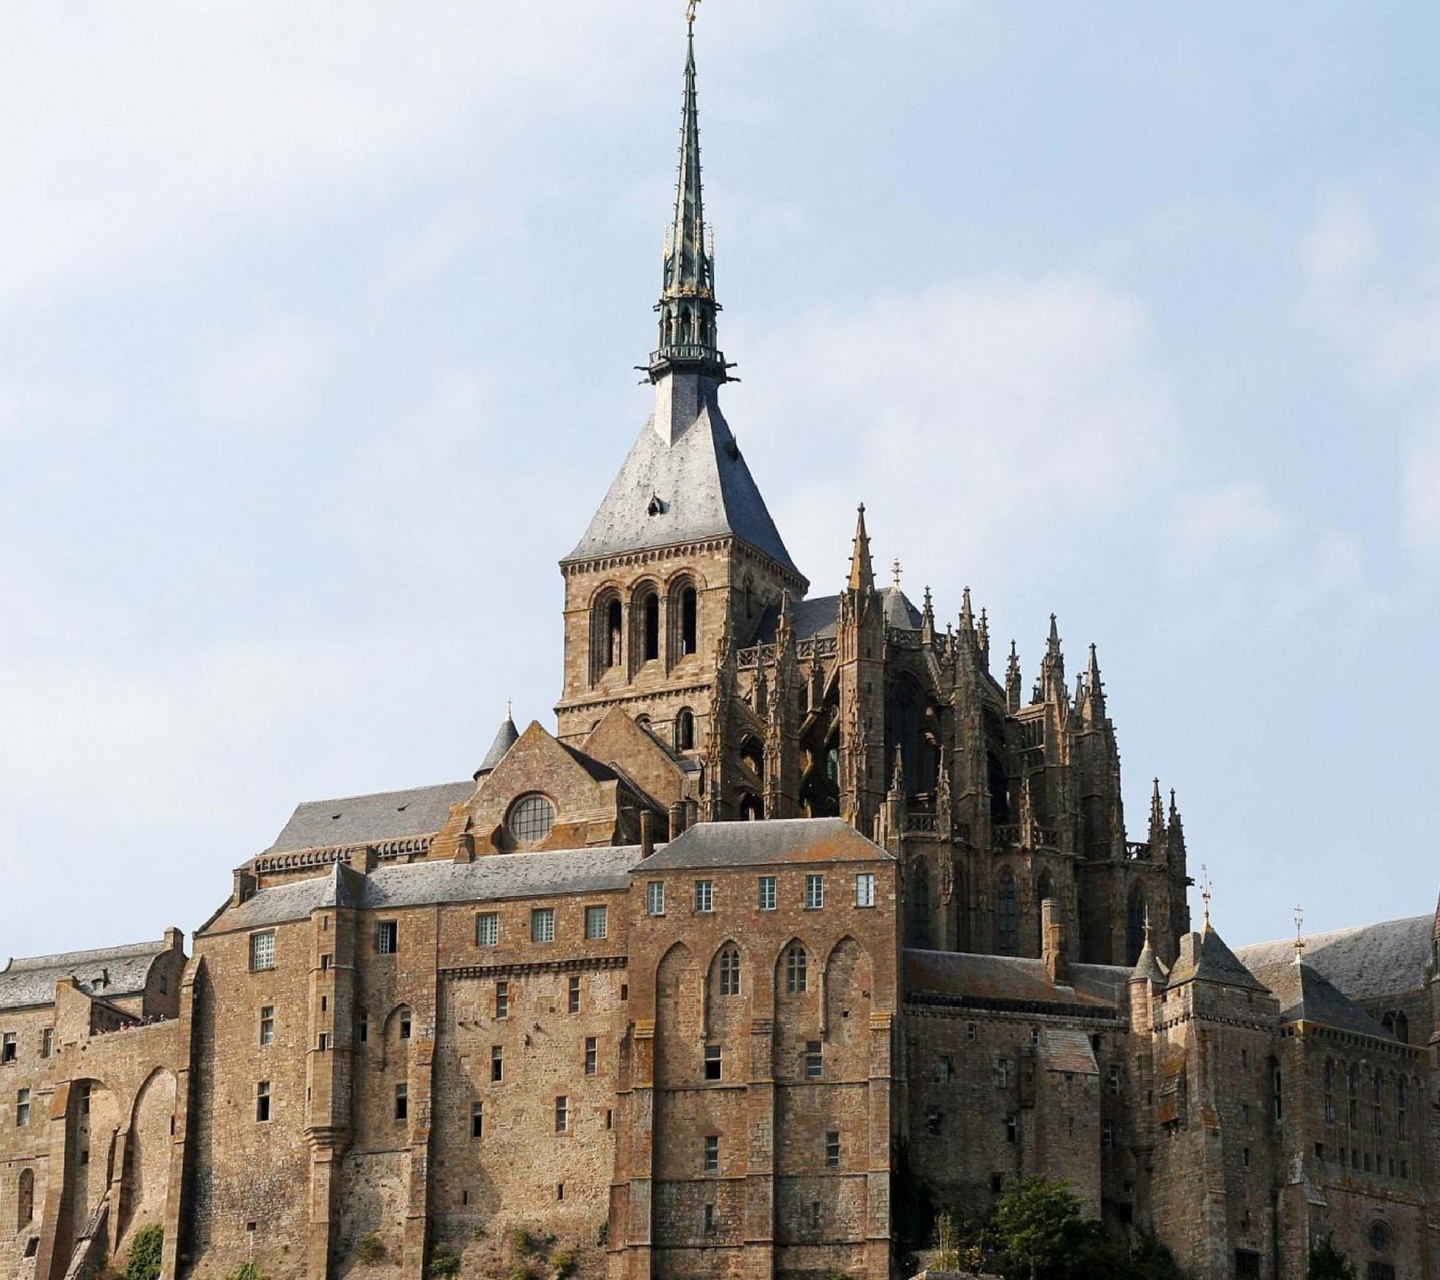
(808, 911)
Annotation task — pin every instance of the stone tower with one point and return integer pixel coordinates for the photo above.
(681, 560)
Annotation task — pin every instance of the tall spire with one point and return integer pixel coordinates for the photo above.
(687, 303)
(862, 573)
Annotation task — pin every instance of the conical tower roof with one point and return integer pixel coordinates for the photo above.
(505, 738)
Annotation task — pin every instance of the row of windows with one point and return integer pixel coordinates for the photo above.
(487, 934)
(1369, 1161)
(10, 1045)
(1375, 1088)
(766, 894)
(710, 1151)
(714, 1061)
(607, 626)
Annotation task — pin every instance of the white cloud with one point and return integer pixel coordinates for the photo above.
(1341, 245)
(265, 378)
(1027, 404)
(1217, 522)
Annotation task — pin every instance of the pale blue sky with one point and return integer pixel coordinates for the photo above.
(317, 326)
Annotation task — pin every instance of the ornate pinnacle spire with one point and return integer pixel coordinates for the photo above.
(1012, 679)
(1157, 822)
(687, 303)
(967, 616)
(862, 573)
(1093, 683)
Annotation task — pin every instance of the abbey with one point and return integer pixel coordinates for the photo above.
(809, 913)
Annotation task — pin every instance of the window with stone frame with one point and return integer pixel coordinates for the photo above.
(710, 1158)
(262, 950)
(766, 893)
(531, 819)
(1007, 915)
(713, 1061)
(655, 898)
(796, 969)
(814, 892)
(402, 1103)
(22, 1108)
(502, 999)
(704, 896)
(865, 889)
(814, 1059)
(9, 1047)
(597, 924)
(387, 937)
(562, 1114)
(592, 1055)
(542, 924)
(572, 994)
(47, 1042)
(267, 1024)
(262, 1102)
(497, 1063)
(487, 929)
(729, 972)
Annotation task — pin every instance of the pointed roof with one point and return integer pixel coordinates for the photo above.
(1367, 962)
(1204, 957)
(1308, 996)
(669, 493)
(505, 738)
(862, 572)
(687, 268)
(1148, 966)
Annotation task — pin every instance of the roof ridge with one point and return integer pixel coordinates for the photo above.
(68, 959)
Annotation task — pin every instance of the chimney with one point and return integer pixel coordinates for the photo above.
(647, 833)
(1052, 933)
(677, 818)
(175, 939)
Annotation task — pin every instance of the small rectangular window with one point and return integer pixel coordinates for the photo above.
(865, 890)
(487, 929)
(322, 1042)
(497, 1063)
(708, 1220)
(262, 1101)
(712, 1062)
(325, 963)
(405, 1025)
(1012, 1129)
(832, 1149)
(766, 899)
(1002, 1073)
(814, 892)
(562, 1114)
(1115, 1081)
(364, 1027)
(402, 1102)
(597, 924)
(655, 897)
(704, 896)
(22, 1108)
(542, 924)
(814, 1059)
(387, 937)
(47, 1043)
(477, 1120)
(970, 1032)
(711, 1162)
(592, 1055)
(502, 999)
(572, 995)
(262, 950)
(944, 1068)
(9, 1047)
(933, 1121)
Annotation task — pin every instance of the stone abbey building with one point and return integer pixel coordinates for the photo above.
(808, 909)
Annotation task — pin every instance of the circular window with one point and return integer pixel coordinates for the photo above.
(1379, 1237)
(531, 819)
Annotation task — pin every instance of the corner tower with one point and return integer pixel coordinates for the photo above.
(681, 561)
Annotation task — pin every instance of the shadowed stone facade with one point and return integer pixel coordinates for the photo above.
(801, 909)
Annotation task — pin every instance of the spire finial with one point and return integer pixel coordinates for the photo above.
(862, 575)
(1205, 893)
(1299, 933)
(896, 570)
(509, 709)
(690, 13)
(1148, 934)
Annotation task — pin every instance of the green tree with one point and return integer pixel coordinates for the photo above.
(1039, 1227)
(145, 1250)
(1328, 1263)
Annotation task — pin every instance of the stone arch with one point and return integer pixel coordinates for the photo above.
(148, 1151)
(685, 729)
(1007, 914)
(93, 1120)
(796, 973)
(682, 593)
(1135, 913)
(719, 963)
(645, 627)
(25, 1199)
(918, 906)
(607, 631)
(677, 1018)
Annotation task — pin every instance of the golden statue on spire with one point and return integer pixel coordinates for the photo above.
(690, 11)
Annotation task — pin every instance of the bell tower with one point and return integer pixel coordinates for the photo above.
(681, 561)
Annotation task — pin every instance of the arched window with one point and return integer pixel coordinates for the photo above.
(752, 808)
(1329, 1090)
(749, 597)
(685, 730)
(1379, 1237)
(689, 620)
(25, 1205)
(1352, 1084)
(797, 967)
(531, 819)
(1134, 925)
(730, 972)
(650, 621)
(918, 932)
(1007, 921)
(753, 755)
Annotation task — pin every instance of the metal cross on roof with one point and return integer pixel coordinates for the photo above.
(1299, 931)
(895, 569)
(690, 11)
(1205, 891)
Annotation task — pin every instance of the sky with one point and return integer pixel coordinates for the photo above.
(318, 326)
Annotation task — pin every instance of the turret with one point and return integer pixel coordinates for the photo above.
(1012, 680)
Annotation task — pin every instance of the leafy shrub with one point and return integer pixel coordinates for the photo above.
(525, 1242)
(369, 1250)
(522, 1271)
(564, 1265)
(145, 1251)
(444, 1265)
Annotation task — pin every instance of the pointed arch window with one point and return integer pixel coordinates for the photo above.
(918, 932)
(685, 730)
(1007, 915)
(797, 966)
(25, 1206)
(730, 972)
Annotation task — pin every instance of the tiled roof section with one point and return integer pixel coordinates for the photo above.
(899, 612)
(1365, 963)
(1067, 1049)
(1103, 982)
(704, 488)
(110, 972)
(1149, 966)
(810, 619)
(780, 840)
(1204, 957)
(1306, 996)
(1009, 978)
(387, 815)
(490, 879)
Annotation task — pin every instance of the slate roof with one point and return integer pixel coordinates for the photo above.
(1365, 963)
(1204, 957)
(1000, 978)
(705, 491)
(1149, 966)
(110, 972)
(387, 815)
(490, 879)
(1067, 1049)
(810, 619)
(779, 840)
(1306, 996)
(899, 612)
